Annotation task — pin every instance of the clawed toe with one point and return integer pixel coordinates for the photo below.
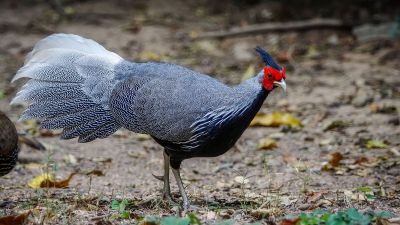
(160, 178)
(169, 199)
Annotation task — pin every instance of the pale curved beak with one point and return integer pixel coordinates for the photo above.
(281, 84)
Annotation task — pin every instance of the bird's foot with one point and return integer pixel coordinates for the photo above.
(187, 207)
(160, 178)
(168, 197)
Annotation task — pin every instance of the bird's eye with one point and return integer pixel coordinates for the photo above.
(269, 76)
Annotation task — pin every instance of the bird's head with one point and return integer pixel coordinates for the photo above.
(274, 75)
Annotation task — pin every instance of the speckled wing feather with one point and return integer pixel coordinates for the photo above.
(71, 80)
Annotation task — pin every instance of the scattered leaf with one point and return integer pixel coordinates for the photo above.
(120, 206)
(2, 95)
(264, 213)
(249, 73)
(385, 109)
(334, 162)
(136, 154)
(102, 160)
(33, 166)
(206, 46)
(71, 159)
(115, 204)
(121, 133)
(15, 220)
(143, 137)
(276, 119)
(193, 218)
(46, 180)
(336, 125)
(368, 192)
(290, 221)
(267, 144)
(336, 158)
(313, 197)
(98, 173)
(31, 126)
(149, 56)
(395, 152)
(376, 144)
(241, 180)
(324, 142)
(361, 160)
(354, 196)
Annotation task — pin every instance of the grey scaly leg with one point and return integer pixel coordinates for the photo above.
(165, 178)
(167, 189)
(185, 199)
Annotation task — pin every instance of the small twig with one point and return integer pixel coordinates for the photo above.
(277, 26)
(98, 217)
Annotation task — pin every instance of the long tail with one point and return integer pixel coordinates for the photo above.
(71, 80)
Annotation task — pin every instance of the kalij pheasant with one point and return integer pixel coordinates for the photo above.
(79, 86)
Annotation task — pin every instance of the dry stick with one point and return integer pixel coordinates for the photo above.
(277, 26)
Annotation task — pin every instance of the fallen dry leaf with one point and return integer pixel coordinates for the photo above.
(71, 159)
(376, 144)
(241, 180)
(290, 221)
(249, 73)
(98, 173)
(46, 180)
(334, 162)
(336, 158)
(276, 119)
(150, 56)
(265, 213)
(15, 220)
(385, 109)
(361, 160)
(102, 160)
(266, 144)
(33, 166)
(31, 126)
(354, 196)
(143, 137)
(336, 125)
(313, 197)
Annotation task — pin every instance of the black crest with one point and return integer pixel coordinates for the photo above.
(267, 58)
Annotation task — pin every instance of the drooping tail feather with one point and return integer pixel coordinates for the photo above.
(71, 80)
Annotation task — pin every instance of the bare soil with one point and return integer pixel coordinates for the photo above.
(331, 77)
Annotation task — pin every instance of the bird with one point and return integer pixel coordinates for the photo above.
(9, 144)
(77, 85)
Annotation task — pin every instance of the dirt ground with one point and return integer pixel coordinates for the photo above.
(345, 93)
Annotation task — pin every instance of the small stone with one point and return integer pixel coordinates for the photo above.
(241, 180)
(211, 215)
(333, 40)
(362, 99)
(325, 142)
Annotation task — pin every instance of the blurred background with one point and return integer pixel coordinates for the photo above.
(342, 60)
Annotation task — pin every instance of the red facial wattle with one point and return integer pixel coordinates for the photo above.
(271, 75)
